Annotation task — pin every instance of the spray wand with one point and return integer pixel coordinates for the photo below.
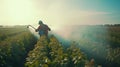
(31, 26)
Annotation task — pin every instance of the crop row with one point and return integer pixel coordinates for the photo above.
(14, 49)
(50, 53)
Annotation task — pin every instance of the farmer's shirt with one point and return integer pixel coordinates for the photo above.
(43, 29)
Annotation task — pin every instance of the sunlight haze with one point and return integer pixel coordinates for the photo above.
(59, 12)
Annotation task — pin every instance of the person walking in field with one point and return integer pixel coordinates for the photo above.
(42, 29)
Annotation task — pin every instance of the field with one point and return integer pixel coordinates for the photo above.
(103, 44)
(15, 43)
(94, 46)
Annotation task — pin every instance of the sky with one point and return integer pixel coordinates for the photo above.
(59, 12)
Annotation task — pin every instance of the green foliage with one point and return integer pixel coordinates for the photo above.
(13, 49)
(7, 32)
(114, 55)
(103, 40)
(114, 44)
(53, 54)
(16, 43)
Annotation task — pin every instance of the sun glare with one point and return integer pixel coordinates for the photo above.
(19, 11)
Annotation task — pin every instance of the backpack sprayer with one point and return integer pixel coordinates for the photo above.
(31, 26)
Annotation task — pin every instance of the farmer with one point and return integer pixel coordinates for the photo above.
(43, 29)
